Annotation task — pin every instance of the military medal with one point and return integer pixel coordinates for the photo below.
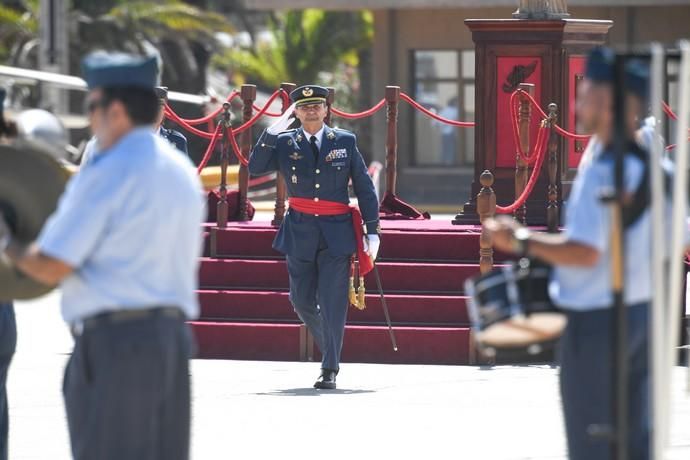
(299, 138)
(294, 178)
(330, 135)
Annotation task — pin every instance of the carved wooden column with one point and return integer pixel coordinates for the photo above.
(248, 94)
(486, 207)
(552, 217)
(521, 167)
(222, 206)
(392, 100)
(329, 102)
(281, 189)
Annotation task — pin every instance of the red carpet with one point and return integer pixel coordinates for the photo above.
(246, 313)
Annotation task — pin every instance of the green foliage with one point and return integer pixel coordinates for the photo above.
(305, 45)
(17, 27)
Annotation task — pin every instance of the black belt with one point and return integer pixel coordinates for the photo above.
(121, 316)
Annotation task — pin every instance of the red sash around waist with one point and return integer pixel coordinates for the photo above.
(333, 208)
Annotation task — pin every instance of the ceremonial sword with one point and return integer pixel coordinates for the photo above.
(385, 308)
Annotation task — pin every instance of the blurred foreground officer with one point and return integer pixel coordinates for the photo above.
(127, 263)
(318, 233)
(581, 282)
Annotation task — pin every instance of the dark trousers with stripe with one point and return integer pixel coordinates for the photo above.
(587, 367)
(319, 295)
(127, 390)
(8, 343)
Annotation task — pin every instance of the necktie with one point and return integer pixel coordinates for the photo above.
(314, 148)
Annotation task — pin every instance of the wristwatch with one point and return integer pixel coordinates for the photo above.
(520, 241)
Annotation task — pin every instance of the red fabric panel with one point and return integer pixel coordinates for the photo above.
(509, 70)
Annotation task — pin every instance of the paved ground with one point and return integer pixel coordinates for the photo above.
(265, 410)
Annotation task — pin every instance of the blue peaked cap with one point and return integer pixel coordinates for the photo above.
(103, 69)
(600, 69)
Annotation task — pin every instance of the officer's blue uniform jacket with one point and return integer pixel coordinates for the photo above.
(176, 138)
(339, 161)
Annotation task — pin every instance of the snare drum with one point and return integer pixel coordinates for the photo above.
(510, 306)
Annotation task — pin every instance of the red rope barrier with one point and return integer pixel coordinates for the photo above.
(268, 114)
(541, 154)
(357, 115)
(235, 147)
(174, 117)
(669, 111)
(262, 112)
(429, 113)
(559, 130)
(207, 118)
(262, 180)
(529, 159)
(209, 150)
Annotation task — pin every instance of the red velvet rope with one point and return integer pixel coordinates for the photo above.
(559, 130)
(529, 159)
(174, 117)
(669, 111)
(242, 128)
(210, 116)
(541, 154)
(235, 147)
(429, 113)
(355, 116)
(286, 101)
(209, 150)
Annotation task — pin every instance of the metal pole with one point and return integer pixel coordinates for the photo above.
(659, 385)
(680, 202)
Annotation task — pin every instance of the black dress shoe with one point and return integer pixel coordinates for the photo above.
(326, 380)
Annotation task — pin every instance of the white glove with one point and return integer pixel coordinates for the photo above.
(5, 234)
(282, 123)
(371, 245)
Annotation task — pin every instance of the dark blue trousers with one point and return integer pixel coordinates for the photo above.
(8, 343)
(319, 294)
(587, 367)
(127, 391)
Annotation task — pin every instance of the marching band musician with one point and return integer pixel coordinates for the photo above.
(581, 281)
(127, 263)
(317, 163)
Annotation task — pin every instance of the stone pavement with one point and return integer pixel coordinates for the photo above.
(267, 410)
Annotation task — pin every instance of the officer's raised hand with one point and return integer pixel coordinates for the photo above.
(283, 122)
(371, 245)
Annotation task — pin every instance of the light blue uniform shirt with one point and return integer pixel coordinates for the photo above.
(129, 225)
(588, 222)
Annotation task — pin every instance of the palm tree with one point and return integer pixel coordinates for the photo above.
(18, 28)
(304, 44)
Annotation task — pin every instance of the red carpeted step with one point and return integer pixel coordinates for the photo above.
(268, 305)
(239, 242)
(396, 277)
(416, 345)
(272, 342)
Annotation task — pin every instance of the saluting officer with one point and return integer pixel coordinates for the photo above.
(127, 262)
(319, 232)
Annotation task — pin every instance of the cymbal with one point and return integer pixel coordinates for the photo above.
(31, 182)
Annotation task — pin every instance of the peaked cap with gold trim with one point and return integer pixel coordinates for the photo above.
(309, 94)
